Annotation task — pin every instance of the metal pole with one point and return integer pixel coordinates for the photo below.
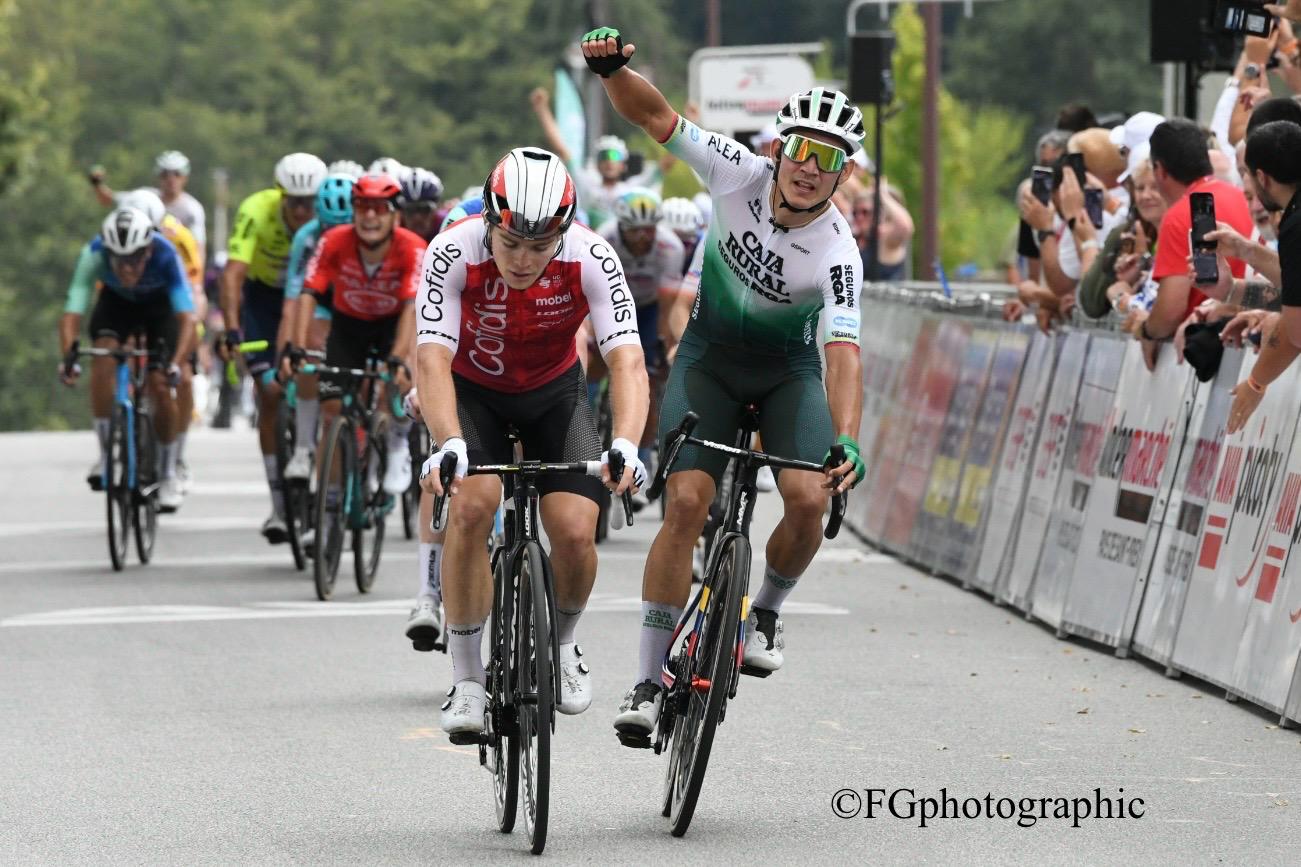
(874, 239)
(930, 143)
(598, 16)
(713, 24)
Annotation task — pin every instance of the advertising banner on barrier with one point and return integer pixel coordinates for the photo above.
(961, 541)
(1046, 472)
(1134, 475)
(1015, 461)
(937, 386)
(892, 438)
(1176, 532)
(1267, 652)
(955, 437)
(1229, 556)
(1093, 413)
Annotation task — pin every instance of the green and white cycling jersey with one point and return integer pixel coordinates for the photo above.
(763, 288)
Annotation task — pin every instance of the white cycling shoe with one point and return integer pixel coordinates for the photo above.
(463, 710)
(397, 477)
(763, 643)
(425, 625)
(639, 714)
(300, 465)
(274, 531)
(170, 497)
(575, 680)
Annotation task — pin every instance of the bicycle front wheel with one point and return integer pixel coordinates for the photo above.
(704, 672)
(118, 490)
(144, 498)
(296, 494)
(372, 504)
(501, 724)
(534, 675)
(334, 472)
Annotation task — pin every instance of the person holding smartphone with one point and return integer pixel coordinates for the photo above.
(1182, 167)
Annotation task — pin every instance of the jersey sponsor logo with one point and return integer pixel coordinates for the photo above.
(845, 322)
(487, 323)
(370, 302)
(725, 148)
(554, 300)
(803, 250)
(760, 268)
(438, 263)
(441, 334)
(842, 285)
(756, 207)
(620, 296)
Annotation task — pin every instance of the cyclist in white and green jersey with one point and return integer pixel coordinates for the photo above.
(776, 256)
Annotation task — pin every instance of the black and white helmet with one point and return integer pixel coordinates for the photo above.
(828, 111)
(300, 174)
(421, 185)
(145, 199)
(126, 230)
(530, 194)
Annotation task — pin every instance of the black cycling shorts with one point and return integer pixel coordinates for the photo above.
(120, 318)
(352, 342)
(260, 312)
(554, 422)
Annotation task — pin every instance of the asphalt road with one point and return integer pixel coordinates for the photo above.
(206, 709)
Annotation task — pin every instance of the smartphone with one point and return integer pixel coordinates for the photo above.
(1076, 162)
(1244, 16)
(1203, 213)
(1093, 206)
(1041, 183)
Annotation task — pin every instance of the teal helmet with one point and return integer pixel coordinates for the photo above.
(334, 200)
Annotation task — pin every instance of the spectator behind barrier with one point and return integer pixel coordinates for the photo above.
(896, 233)
(1076, 116)
(1182, 166)
(1120, 276)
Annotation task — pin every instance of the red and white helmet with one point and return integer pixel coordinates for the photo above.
(530, 194)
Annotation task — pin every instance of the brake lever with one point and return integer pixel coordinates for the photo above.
(446, 473)
(840, 500)
(617, 465)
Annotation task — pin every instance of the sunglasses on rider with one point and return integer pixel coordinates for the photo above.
(131, 260)
(300, 203)
(417, 208)
(610, 155)
(372, 206)
(830, 158)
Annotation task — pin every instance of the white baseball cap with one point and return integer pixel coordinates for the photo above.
(1137, 130)
(1137, 156)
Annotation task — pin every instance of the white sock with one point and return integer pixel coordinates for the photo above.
(101, 433)
(273, 482)
(180, 445)
(397, 436)
(465, 643)
(308, 414)
(170, 451)
(657, 624)
(774, 591)
(565, 623)
(431, 567)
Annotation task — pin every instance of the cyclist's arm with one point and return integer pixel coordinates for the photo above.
(405, 337)
(240, 252)
(437, 392)
(550, 129)
(80, 289)
(405, 341)
(313, 284)
(438, 326)
(614, 324)
(200, 228)
(182, 299)
(640, 103)
(671, 261)
(232, 287)
(840, 302)
(845, 388)
(629, 391)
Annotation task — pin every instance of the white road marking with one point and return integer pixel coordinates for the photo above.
(167, 524)
(278, 559)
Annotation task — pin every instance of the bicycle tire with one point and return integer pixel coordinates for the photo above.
(330, 519)
(294, 491)
(368, 534)
(534, 678)
(144, 498)
(417, 444)
(499, 718)
(716, 656)
(117, 491)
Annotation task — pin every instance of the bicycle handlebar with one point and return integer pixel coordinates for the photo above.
(232, 375)
(682, 436)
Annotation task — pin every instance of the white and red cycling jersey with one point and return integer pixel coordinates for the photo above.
(516, 340)
(338, 278)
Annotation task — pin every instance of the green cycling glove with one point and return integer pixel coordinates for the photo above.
(852, 455)
(604, 66)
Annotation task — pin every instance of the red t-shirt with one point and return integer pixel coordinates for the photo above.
(337, 277)
(1172, 248)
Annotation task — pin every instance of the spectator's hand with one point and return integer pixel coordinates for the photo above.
(1129, 269)
(540, 99)
(1259, 48)
(1013, 310)
(1199, 314)
(1151, 348)
(1134, 319)
(1250, 97)
(1118, 295)
(1229, 242)
(1044, 318)
(1242, 326)
(1065, 304)
(1071, 198)
(1038, 215)
(1290, 10)
(1027, 292)
(1245, 401)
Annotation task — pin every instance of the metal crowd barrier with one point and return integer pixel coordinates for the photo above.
(1057, 475)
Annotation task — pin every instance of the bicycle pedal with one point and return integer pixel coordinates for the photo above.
(755, 671)
(636, 741)
(468, 739)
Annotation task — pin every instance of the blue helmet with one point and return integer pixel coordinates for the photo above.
(421, 185)
(334, 200)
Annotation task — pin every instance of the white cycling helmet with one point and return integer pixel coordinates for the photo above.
(300, 174)
(347, 167)
(637, 208)
(172, 161)
(828, 111)
(706, 205)
(126, 230)
(530, 194)
(682, 216)
(388, 166)
(145, 199)
(611, 143)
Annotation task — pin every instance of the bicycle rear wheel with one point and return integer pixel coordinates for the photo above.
(534, 675)
(372, 507)
(144, 498)
(336, 458)
(295, 491)
(501, 724)
(704, 672)
(118, 490)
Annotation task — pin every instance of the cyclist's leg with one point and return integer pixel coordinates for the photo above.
(647, 329)
(308, 410)
(260, 316)
(107, 325)
(161, 330)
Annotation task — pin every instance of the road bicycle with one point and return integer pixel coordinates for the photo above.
(703, 665)
(523, 674)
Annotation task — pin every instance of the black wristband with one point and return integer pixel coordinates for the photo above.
(1042, 235)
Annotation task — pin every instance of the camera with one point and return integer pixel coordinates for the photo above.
(1243, 16)
(1041, 183)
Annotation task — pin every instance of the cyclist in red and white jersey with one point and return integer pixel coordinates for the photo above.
(501, 298)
